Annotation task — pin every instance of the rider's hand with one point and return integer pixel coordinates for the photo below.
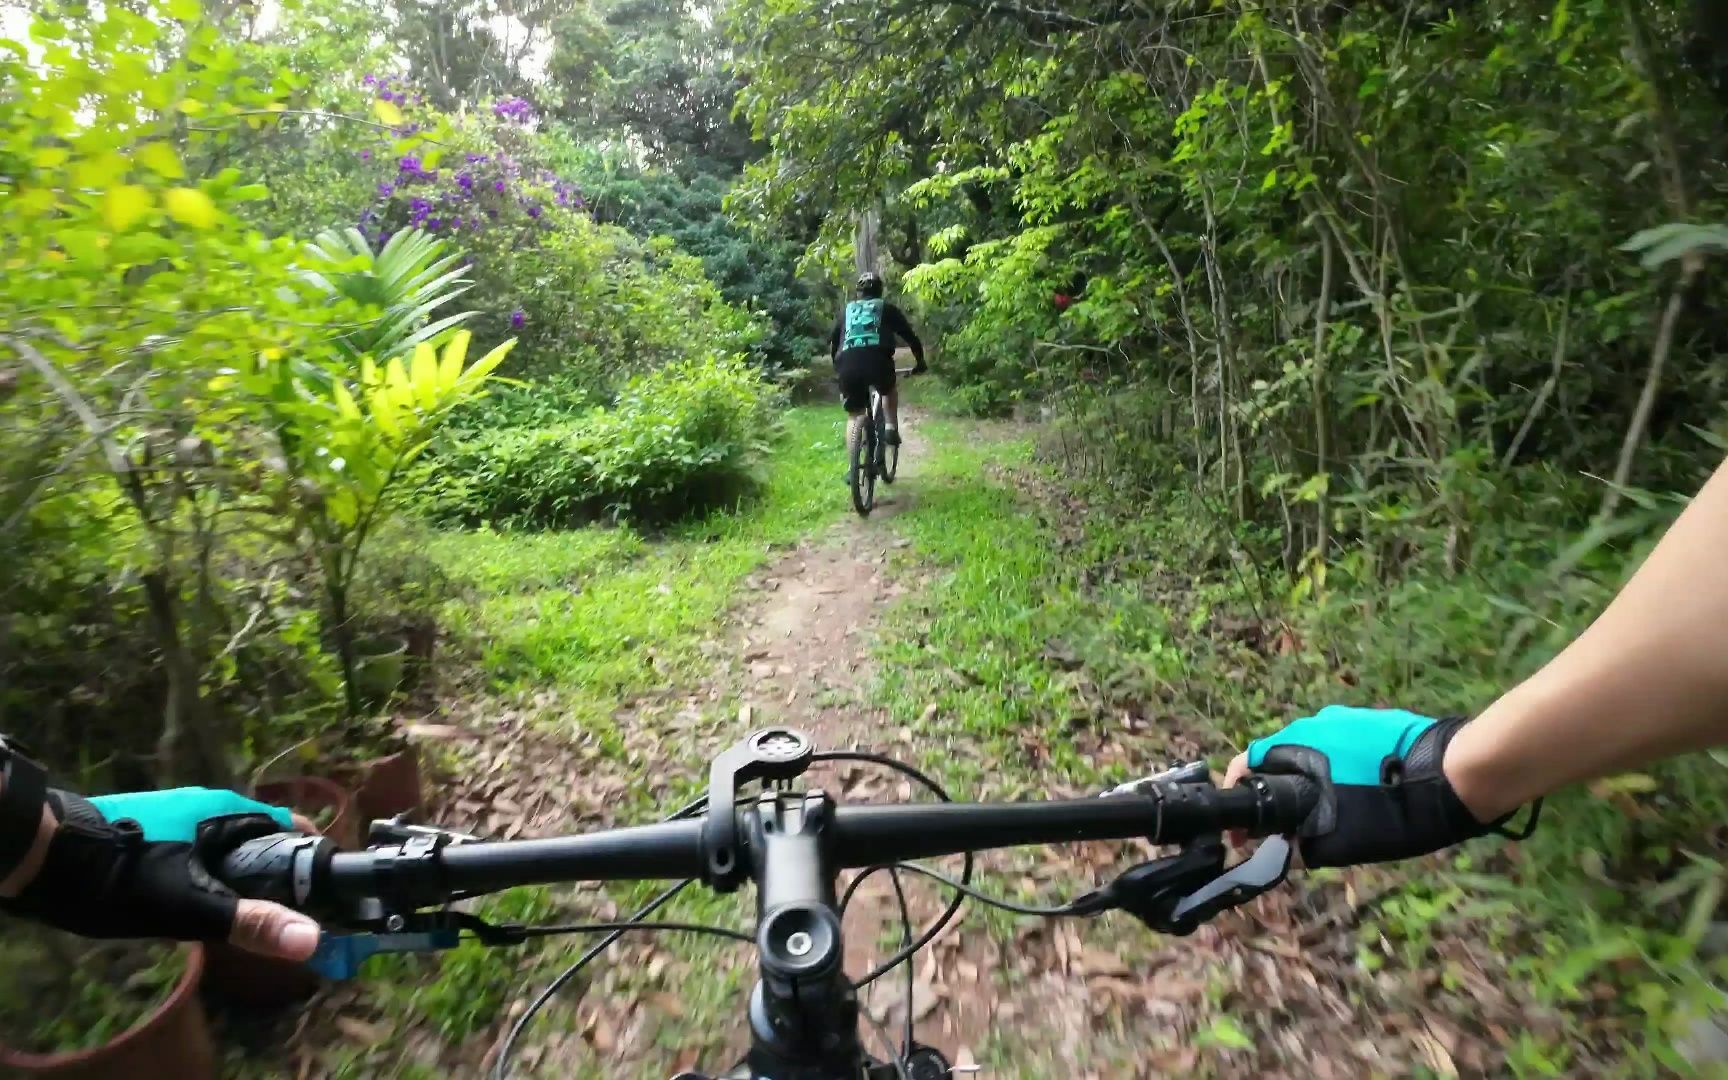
(136, 865)
(1393, 800)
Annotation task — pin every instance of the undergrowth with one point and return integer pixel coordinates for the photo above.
(1054, 616)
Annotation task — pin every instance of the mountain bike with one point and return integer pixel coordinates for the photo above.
(866, 444)
(792, 845)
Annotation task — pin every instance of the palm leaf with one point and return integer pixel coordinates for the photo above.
(399, 287)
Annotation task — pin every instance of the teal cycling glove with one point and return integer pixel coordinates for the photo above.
(125, 866)
(1389, 797)
(173, 816)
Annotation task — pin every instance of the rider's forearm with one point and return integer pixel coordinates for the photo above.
(1647, 680)
(25, 872)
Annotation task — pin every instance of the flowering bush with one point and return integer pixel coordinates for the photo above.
(589, 302)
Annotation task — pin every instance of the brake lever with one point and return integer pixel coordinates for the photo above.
(340, 956)
(1192, 772)
(1176, 894)
(1258, 873)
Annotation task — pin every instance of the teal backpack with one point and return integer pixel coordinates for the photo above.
(863, 324)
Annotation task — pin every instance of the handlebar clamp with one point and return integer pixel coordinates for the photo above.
(776, 754)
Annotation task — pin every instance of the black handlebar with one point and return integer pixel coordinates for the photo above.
(803, 1011)
(307, 872)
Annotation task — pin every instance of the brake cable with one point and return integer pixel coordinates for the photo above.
(982, 898)
(953, 908)
(613, 931)
(501, 1069)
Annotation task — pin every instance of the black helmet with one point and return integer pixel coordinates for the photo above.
(870, 284)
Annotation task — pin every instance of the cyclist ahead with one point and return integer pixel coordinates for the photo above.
(862, 347)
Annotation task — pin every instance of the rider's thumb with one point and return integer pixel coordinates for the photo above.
(273, 930)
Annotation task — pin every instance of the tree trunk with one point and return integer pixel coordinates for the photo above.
(190, 749)
(1322, 400)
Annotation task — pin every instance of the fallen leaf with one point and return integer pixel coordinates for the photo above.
(362, 1031)
(1099, 962)
(1434, 1053)
(666, 1003)
(603, 1035)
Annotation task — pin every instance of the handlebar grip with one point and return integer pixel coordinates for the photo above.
(1305, 777)
(286, 868)
(1294, 799)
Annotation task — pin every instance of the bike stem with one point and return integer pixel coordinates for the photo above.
(803, 1010)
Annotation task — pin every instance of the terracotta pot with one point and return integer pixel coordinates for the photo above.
(172, 1043)
(233, 974)
(311, 796)
(387, 786)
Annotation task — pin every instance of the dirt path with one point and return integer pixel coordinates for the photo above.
(806, 641)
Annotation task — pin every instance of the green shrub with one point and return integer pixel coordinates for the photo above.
(682, 439)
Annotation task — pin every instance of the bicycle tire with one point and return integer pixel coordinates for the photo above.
(890, 454)
(860, 453)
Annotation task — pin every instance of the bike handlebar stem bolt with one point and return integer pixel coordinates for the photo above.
(799, 943)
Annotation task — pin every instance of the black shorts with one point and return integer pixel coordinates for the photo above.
(859, 370)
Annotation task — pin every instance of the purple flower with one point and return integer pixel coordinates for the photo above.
(476, 159)
(370, 80)
(517, 318)
(409, 165)
(534, 211)
(386, 189)
(365, 155)
(513, 109)
(421, 207)
(465, 181)
(497, 185)
(434, 223)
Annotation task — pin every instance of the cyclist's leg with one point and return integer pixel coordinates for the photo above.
(888, 384)
(854, 398)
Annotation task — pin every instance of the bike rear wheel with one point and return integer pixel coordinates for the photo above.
(861, 455)
(890, 458)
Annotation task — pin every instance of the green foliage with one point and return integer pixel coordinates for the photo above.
(688, 436)
(753, 271)
(131, 287)
(1362, 251)
(653, 71)
(202, 428)
(397, 288)
(461, 992)
(62, 994)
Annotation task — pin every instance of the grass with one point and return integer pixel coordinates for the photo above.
(602, 613)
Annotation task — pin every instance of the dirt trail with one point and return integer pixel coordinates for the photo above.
(805, 636)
